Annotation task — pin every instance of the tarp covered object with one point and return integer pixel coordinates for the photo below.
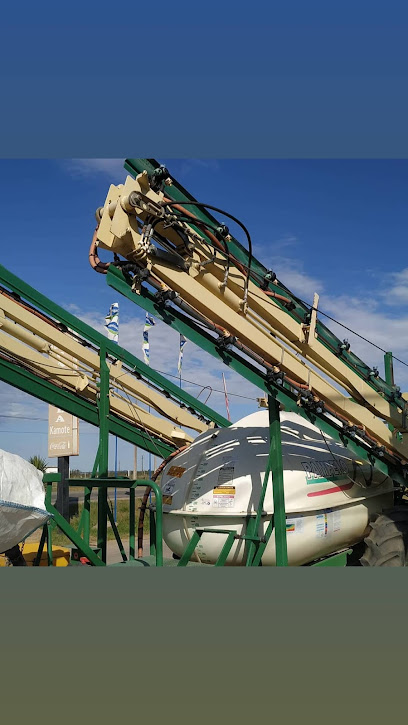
(22, 500)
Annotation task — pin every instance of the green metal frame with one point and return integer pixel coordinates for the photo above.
(81, 537)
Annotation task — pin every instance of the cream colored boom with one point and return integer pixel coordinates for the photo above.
(258, 322)
(59, 357)
(220, 313)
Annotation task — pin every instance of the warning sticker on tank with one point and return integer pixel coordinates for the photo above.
(328, 522)
(224, 496)
(225, 475)
(228, 460)
(294, 525)
(176, 471)
(168, 488)
(167, 500)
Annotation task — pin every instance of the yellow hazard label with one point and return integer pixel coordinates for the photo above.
(224, 490)
(167, 500)
(176, 471)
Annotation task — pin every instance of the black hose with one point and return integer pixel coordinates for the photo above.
(224, 213)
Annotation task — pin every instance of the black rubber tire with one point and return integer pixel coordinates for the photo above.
(387, 542)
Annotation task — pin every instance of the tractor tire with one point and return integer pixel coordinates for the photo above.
(387, 542)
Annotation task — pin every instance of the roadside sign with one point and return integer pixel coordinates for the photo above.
(63, 433)
(63, 428)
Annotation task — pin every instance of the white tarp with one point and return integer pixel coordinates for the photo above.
(22, 500)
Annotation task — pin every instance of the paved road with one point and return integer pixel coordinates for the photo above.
(121, 494)
(112, 550)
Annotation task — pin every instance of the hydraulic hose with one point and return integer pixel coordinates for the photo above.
(145, 499)
(95, 262)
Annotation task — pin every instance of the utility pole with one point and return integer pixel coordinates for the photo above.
(135, 462)
(226, 397)
(62, 502)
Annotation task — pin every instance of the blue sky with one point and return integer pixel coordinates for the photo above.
(336, 227)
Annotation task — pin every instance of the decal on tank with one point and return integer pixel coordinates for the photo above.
(176, 471)
(334, 489)
(331, 469)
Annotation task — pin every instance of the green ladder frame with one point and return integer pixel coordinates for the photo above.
(80, 537)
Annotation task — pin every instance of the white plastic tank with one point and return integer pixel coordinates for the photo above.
(216, 483)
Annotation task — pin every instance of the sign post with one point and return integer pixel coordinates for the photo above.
(62, 501)
(63, 442)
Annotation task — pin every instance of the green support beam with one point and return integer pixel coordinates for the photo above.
(274, 466)
(275, 455)
(389, 368)
(389, 374)
(132, 523)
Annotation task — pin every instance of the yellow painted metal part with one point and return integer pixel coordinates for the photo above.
(255, 319)
(60, 555)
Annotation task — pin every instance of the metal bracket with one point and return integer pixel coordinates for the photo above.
(169, 258)
(309, 329)
(164, 297)
(269, 277)
(275, 376)
(225, 342)
(306, 399)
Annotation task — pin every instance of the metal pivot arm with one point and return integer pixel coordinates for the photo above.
(264, 278)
